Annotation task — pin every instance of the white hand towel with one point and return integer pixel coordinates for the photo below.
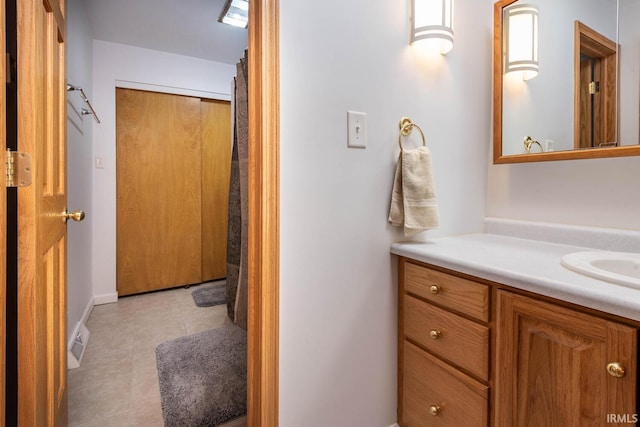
(413, 200)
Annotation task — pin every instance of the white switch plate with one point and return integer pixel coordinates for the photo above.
(99, 162)
(357, 129)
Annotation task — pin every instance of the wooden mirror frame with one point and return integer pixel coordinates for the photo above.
(498, 158)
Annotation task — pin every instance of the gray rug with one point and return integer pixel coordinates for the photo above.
(203, 377)
(209, 295)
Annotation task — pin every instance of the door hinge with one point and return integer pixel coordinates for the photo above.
(594, 87)
(18, 167)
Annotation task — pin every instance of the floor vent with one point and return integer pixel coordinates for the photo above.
(74, 357)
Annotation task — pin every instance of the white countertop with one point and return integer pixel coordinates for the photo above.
(524, 264)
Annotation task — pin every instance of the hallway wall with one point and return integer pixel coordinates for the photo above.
(117, 65)
(79, 166)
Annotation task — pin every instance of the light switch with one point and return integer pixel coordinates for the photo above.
(99, 162)
(357, 129)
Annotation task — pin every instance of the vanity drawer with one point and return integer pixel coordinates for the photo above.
(450, 291)
(435, 394)
(459, 340)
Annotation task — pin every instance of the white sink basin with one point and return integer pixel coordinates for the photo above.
(622, 268)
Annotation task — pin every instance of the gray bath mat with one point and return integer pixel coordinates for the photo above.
(209, 295)
(203, 377)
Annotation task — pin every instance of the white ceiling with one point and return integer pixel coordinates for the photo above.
(186, 27)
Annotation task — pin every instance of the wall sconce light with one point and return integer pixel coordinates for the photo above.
(521, 40)
(432, 23)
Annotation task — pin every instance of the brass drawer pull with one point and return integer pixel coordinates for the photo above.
(434, 410)
(435, 334)
(616, 370)
(435, 289)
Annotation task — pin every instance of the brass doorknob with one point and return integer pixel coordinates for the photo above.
(435, 334)
(616, 370)
(77, 215)
(435, 289)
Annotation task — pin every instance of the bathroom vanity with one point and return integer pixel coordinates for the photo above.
(494, 331)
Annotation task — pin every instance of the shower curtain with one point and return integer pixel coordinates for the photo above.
(238, 229)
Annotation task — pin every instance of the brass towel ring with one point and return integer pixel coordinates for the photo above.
(406, 127)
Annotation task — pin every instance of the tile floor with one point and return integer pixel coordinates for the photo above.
(117, 382)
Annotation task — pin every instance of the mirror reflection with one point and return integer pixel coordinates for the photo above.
(571, 102)
(629, 43)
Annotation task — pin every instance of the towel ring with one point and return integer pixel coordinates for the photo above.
(406, 127)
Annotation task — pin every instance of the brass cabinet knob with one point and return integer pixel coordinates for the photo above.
(616, 370)
(435, 334)
(77, 215)
(435, 289)
(434, 410)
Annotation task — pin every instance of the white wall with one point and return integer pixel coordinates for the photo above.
(338, 286)
(629, 72)
(79, 162)
(116, 65)
(597, 192)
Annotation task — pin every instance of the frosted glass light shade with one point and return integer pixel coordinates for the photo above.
(236, 13)
(432, 23)
(521, 40)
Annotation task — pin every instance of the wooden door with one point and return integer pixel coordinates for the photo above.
(3, 215)
(158, 177)
(42, 364)
(595, 60)
(216, 167)
(586, 104)
(552, 366)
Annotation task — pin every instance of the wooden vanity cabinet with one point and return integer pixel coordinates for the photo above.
(478, 353)
(561, 367)
(443, 346)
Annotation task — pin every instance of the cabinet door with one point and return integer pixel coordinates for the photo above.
(552, 366)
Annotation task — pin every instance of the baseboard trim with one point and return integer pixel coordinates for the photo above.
(395, 425)
(105, 298)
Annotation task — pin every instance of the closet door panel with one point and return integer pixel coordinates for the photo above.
(158, 177)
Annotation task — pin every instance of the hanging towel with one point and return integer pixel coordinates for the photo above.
(413, 200)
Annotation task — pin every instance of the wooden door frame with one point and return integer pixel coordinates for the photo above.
(594, 44)
(264, 221)
(3, 214)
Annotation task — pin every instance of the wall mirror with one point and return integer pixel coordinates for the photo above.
(566, 79)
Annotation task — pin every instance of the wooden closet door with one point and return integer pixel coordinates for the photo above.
(159, 200)
(216, 168)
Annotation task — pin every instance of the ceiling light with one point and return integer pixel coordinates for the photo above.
(236, 13)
